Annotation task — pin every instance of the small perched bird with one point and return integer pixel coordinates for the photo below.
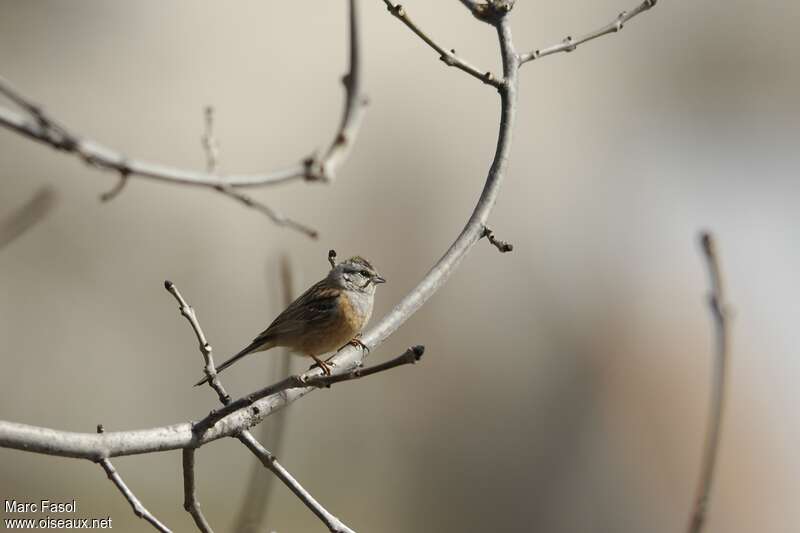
(326, 317)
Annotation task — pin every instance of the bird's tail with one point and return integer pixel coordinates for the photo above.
(253, 347)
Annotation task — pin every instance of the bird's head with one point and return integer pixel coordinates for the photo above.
(356, 274)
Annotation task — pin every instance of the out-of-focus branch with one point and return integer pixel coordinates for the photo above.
(569, 44)
(41, 127)
(719, 313)
(190, 502)
(209, 141)
(448, 57)
(27, 215)
(252, 516)
(211, 149)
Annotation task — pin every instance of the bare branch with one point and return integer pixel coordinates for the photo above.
(569, 44)
(268, 460)
(409, 357)
(114, 192)
(502, 246)
(190, 502)
(324, 169)
(27, 215)
(211, 149)
(314, 378)
(448, 57)
(277, 217)
(64, 443)
(206, 350)
(48, 131)
(210, 142)
(138, 509)
(719, 312)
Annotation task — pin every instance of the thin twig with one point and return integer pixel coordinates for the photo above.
(313, 379)
(138, 509)
(54, 442)
(448, 57)
(118, 187)
(569, 44)
(211, 149)
(277, 217)
(47, 130)
(210, 142)
(409, 357)
(268, 460)
(27, 215)
(719, 312)
(502, 246)
(206, 350)
(190, 502)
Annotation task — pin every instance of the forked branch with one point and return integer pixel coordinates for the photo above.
(191, 503)
(38, 125)
(137, 507)
(448, 57)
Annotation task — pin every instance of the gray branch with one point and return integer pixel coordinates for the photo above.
(237, 417)
(211, 149)
(719, 313)
(190, 502)
(448, 57)
(569, 44)
(41, 127)
(268, 460)
(176, 436)
(138, 509)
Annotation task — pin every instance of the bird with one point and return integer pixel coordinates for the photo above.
(328, 316)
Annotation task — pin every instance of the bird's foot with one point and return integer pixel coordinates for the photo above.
(356, 341)
(324, 365)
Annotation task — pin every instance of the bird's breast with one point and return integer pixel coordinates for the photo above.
(356, 309)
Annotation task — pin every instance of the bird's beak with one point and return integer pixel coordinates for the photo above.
(378, 280)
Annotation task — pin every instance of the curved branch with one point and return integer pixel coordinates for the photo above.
(39, 126)
(86, 445)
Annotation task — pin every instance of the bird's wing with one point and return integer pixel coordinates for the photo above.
(312, 309)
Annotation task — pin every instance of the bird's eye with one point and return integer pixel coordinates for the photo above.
(364, 273)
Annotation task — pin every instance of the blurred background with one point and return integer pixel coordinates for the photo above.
(565, 386)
